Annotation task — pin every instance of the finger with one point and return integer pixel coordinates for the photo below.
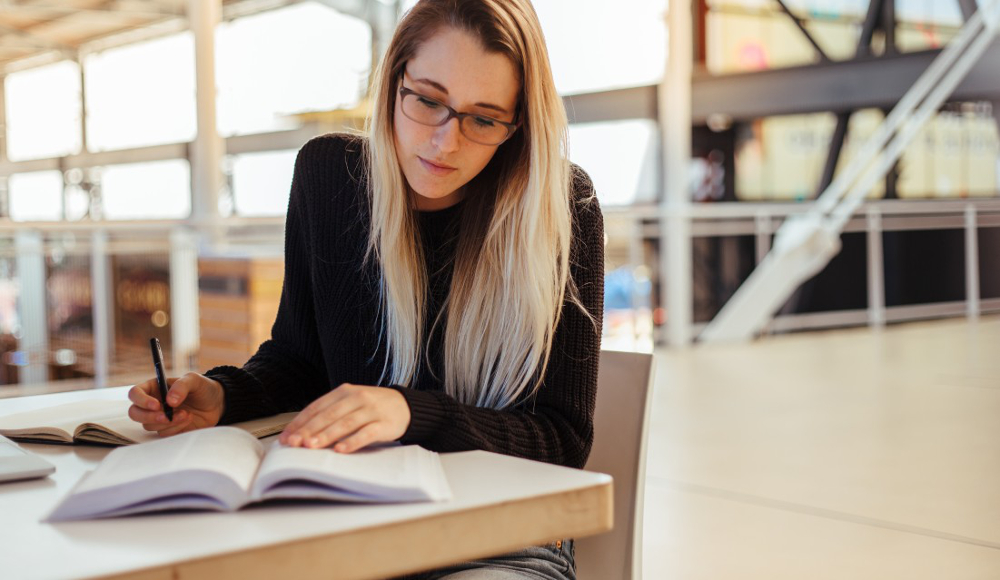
(370, 433)
(340, 428)
(140, 415)
(180, 388)
(140, 395)
(160, 422)
(180, 424)
(307, 415)
(342, 413)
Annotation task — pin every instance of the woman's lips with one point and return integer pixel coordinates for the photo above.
(435, 169)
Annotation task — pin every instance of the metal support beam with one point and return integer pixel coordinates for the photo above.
(889, 26)
(864, 48)
(835, 86)
(968, 8)
(833, 155)
(805, 31)
(675, 125)
(872, 19)
(613, 105)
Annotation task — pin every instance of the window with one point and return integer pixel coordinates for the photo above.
(625, 173)
(596, 45)
(314, 58)
(43, 112)
(261, 182)
(157, 190)
(141, 94)
(36, 196)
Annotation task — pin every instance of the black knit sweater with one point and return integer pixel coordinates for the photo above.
(327, 327)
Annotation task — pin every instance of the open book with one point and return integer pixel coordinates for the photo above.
(223, 469)
(105, 422)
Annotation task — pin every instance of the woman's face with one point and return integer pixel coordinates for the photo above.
(451, 67)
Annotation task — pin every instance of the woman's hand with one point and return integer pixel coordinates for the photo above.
(352, 416)
(197, 402)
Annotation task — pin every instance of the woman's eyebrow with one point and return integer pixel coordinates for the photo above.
(441, 88)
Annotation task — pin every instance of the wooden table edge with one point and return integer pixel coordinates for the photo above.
(409, 546)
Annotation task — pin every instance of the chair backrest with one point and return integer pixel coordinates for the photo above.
(624, 390)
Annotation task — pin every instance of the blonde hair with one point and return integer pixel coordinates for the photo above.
(511, 268)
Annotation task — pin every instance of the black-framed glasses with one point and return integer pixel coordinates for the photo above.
(432, 112)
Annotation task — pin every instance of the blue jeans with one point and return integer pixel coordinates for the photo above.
(553, 561)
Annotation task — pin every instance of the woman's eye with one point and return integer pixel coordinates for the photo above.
(428, 103)
(484, 121)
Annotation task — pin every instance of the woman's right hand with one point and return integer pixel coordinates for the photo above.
(197, 402)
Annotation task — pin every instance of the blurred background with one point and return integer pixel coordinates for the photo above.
(147, 147)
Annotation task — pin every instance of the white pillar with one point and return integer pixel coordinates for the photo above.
(34, 340)
(876, 269)
(3, 120)
(101, 307)
(972, 297)
(208, 148)
(184, 335)
(675, 223)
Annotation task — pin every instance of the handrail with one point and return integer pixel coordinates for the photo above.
(805, 243)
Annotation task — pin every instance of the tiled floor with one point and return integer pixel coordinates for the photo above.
(856, 454)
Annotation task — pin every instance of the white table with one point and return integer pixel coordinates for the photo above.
(500, 504)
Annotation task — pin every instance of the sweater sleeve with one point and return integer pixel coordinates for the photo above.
(556, 426)
(287, 371)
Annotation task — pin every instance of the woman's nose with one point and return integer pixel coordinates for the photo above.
(447, 137)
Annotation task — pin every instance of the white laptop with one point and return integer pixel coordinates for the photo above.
(17, 464)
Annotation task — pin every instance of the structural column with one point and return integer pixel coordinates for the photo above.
(208, 148)
(31, 310)
(4, 192)
(102, 307)
(675, 128)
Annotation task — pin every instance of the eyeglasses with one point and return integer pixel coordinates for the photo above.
(476, 128)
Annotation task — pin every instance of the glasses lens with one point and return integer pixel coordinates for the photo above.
(423, 110)
(484, 130)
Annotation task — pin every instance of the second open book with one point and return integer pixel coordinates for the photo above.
(225, 468)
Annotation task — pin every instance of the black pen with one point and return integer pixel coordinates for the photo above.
(161, 378)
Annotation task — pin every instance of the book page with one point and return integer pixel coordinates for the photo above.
(384, 473)
(231, 452)
(106, 422)
(203, 469)
(61, 420)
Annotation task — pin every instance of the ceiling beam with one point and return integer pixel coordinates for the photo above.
(113, 8)
(38, 41)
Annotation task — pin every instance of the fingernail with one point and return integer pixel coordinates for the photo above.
(314, 442)
(172, 399)
(151, 405)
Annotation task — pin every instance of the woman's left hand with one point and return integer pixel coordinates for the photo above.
(352, 416)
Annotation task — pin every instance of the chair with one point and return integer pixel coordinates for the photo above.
(620, 426)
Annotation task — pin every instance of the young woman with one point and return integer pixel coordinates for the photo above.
(444, 274)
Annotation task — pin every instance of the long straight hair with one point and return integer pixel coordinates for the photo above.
(511, 268)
